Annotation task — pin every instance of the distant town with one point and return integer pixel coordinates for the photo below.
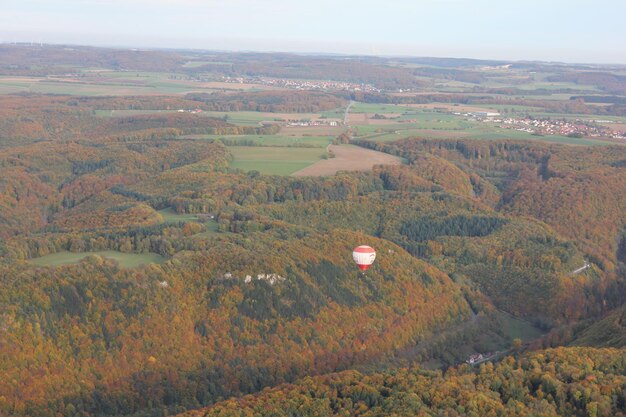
(320, 85)
(548, 126)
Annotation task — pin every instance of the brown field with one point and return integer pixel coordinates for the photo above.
(358, 119)
(348, 158)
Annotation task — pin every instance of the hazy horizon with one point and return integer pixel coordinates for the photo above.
(570, 32)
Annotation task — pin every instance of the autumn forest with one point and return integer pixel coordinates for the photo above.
(160, 254)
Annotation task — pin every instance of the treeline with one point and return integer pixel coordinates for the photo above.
(36, 60)
(353, 70)
(606, 81)
(25, 120)
(601, 99)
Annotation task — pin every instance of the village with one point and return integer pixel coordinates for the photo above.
(547, 126)
(320, 85)
(309, 123)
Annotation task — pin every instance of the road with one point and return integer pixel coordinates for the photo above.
(345, 115)
(582, 268)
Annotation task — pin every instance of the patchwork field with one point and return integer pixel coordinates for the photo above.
(118, 83)
(274, 160)
(348, 158)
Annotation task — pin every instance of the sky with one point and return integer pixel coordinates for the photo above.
(549, 30)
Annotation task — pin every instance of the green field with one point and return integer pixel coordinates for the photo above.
(377, 108)
(334, 114)
(274, 160)
(126, 260)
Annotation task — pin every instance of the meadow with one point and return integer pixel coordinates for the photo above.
(171, 217)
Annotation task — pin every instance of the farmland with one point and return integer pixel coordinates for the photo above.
(274, 160)
(348, 158)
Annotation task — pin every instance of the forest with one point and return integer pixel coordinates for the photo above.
(249, 303)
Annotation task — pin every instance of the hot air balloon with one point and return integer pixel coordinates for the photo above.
(364, 257)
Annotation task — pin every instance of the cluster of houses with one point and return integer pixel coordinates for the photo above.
(560, 127)
(271, 279)
(304, 84)
(306, 123)
(479, 357)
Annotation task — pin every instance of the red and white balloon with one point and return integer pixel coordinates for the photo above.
(364, 256)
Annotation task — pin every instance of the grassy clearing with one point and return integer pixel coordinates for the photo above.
(275, 160)
(516, 328)
(126, 260)
(170, 216)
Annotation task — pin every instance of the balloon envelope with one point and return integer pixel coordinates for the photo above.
(364, 256)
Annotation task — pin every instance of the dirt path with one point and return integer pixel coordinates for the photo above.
(345, 115)
(348, 158)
